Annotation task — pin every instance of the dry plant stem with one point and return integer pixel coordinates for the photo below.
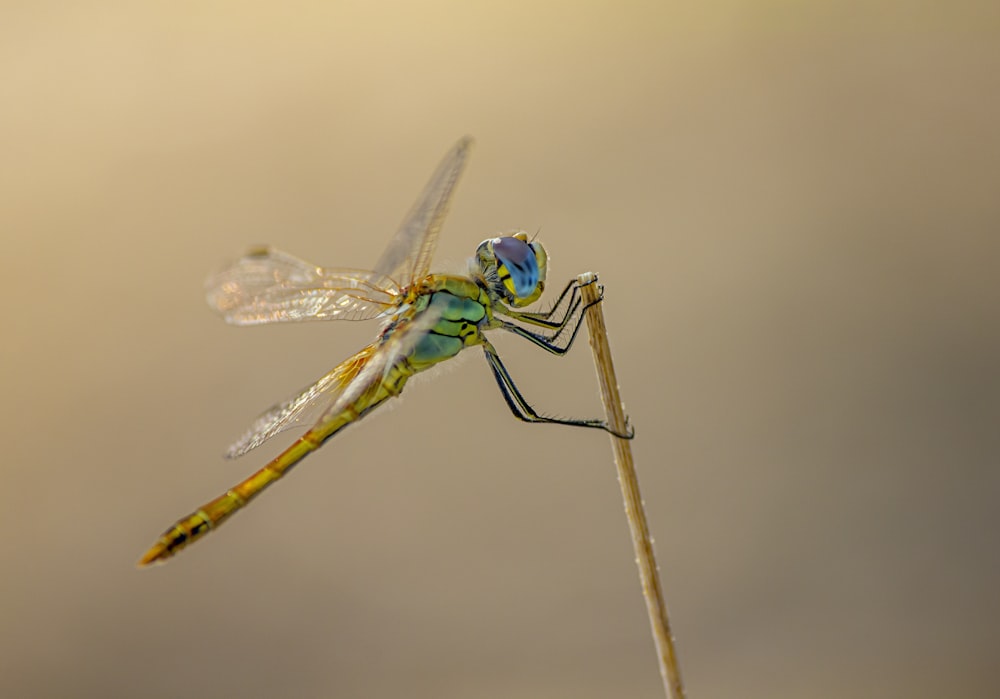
(645, 559)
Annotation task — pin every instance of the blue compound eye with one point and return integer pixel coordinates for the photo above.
(519, 260)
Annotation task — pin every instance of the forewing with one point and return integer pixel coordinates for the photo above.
(408, 255)
(303, 408)
(270, 286)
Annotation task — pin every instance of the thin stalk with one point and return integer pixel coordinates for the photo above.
(649, 574)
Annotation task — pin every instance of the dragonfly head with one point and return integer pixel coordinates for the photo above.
(512, 267)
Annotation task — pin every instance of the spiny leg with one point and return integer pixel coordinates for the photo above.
(573, 317)
(551, 343)
(520, 407)
(544, 318)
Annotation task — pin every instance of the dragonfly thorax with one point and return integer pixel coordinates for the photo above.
(512, 268)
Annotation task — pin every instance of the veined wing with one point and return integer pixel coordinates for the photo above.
(348, 384)
(305, 407)
(408, 255)
(380, 369)
(270, 286)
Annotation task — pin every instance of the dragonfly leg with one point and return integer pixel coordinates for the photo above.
(544, 318)
(555, 343)
(523, 411)
(572, 319)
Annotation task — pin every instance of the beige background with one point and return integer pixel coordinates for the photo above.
(794, 210)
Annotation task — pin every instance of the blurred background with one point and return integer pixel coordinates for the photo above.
(793, 208)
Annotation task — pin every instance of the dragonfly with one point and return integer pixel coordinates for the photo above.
(426, 319)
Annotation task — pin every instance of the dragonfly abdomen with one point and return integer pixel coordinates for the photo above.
(213, 513)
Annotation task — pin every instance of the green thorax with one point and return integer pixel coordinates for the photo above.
(457, 311)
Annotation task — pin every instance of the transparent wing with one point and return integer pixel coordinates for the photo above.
(303, 408)
(408, 255)
(349, 384)
(270, 286)
(382, 365)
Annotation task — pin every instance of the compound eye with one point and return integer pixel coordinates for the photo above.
(519, 260)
